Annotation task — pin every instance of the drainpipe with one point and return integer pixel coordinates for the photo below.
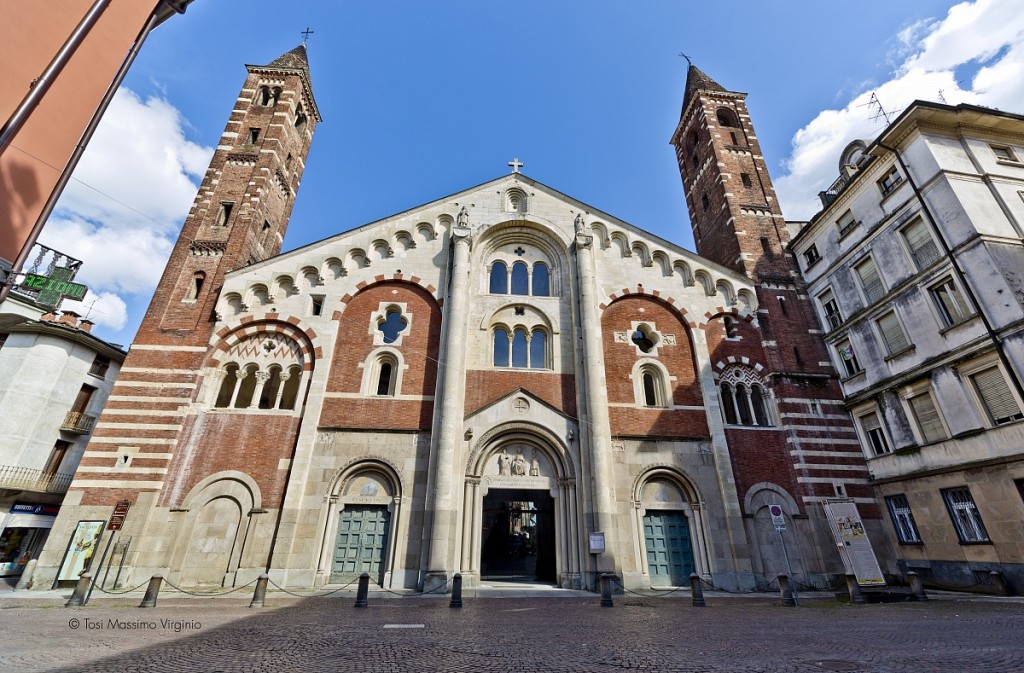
(21, 115)
(958, 272)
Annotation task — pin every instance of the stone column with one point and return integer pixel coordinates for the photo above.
(261, 382)
(601, 476)
(448, 430)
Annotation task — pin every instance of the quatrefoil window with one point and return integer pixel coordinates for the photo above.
(392, 325)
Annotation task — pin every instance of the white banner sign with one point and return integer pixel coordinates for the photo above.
(851, 538)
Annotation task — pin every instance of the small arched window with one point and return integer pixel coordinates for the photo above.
(541, 280)
(300, 117)
(520, 278)
(651, 391)
(386, 376)
(198, 279)
(744, 400)
(247, 387)
(275, 95)
(290, 394)
(727, 118)
(519, 349)
(728, 404)
(501, 344)
(731, 327)
(538, 349)
(263, 96)
(271, 389)
(227, 386)
(499, 278)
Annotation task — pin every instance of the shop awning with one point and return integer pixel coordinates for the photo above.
(18, 520)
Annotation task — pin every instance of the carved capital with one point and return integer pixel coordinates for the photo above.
(584, 240)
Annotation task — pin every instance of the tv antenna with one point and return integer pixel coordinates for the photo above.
(881, 112)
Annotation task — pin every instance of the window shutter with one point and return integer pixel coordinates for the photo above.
(922, 247)
(928, 418)
(895, 339)
(996, 395)
(871, 281)
(870, 422)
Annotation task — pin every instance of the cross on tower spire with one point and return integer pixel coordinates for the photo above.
(306, 33)
(516, 164)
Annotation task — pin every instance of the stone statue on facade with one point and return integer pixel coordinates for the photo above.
(534, 464)
(504, 463)
(519, 465)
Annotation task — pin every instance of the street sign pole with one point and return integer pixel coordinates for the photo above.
(779, 521)
(116, 521)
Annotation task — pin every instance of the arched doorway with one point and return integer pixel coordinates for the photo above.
(671, 527)
(519, 519)
(359, 532)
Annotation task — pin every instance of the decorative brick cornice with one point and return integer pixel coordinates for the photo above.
(268, 323)
(411, 280)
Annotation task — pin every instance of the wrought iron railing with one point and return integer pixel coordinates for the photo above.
(78, 422)
(833, 192)
(27, 479)
(43, 260)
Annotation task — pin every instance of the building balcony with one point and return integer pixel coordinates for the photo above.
(78, 423)
(26, 479)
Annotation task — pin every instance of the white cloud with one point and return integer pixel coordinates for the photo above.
(105, 309)
(986, 32)
(121, 212)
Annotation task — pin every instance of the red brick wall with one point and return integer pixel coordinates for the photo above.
(484, 386)
(678, 359)
(419, 348)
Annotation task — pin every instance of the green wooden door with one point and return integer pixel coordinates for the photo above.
(669, 552)
(362, 543)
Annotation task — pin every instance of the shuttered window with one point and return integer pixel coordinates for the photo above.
(873, 432)
(832, 315)
(922, 246)
(927, 417)
(996, 396)
(870, 281)
(892, 332)
(950, 303)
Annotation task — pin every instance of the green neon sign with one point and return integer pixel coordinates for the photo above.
(52, 289)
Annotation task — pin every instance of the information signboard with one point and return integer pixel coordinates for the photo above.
(852, 540)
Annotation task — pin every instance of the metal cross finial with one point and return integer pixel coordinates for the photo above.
(516, 164)
(686, 57)
(306, 33)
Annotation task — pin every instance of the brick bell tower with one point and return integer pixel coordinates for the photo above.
(239, 217)
(737, 222)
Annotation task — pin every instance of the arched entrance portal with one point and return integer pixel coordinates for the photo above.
(520, 515)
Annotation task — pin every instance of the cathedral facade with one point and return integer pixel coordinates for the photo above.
(505, 383)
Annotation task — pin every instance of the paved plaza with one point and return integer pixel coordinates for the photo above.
(536, 634)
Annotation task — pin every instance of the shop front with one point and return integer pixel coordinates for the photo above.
(25, 529)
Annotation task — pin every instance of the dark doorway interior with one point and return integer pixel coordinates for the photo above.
(518, 536)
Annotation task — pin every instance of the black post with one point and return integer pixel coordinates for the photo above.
(696, 591)
(606, 590)
(81, 595)
(260, 595)
(916, 587)
(456, 601)
(364, 590)
(152, 592)
(853, 586)
(786, 590)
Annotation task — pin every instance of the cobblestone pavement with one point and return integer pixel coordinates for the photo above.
(529, 635)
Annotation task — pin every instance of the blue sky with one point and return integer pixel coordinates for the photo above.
(420, 100)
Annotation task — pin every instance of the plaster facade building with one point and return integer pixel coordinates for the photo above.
(57, 377)
(915, 265)
(504, 382)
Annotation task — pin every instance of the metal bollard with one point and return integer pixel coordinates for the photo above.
(606, 590)
(152, 592)
(260, 595)
(696, 591)
(999, 583)
(456, 601)
(786, 590)
(364, 590)
(916, 587)
(81, 595)
(853, 586)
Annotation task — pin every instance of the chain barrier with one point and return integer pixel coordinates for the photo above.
(766, 589)
(949, 587)
(209, 594)
(328, 593)
(118, 593)
(811, 587)
(414, 594)
(660, 594)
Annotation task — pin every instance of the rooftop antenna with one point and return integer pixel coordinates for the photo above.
(91, 307)
(881, 112)
(688, 60)
(942, 98)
